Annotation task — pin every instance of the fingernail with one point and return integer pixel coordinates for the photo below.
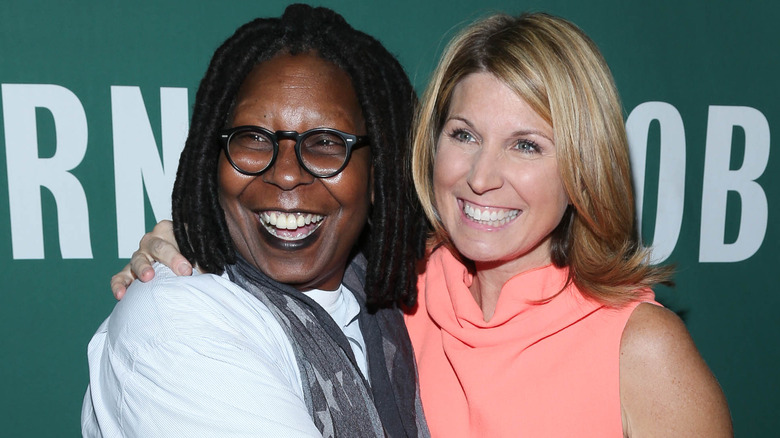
(183, 268)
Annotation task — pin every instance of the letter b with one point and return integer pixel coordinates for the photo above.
(719, 180)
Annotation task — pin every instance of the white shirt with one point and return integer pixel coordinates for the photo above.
(200, 356)
(343, 307)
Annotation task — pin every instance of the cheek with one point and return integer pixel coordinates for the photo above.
(353, 187)
(226, 195)
(556, 189)
(226, 179)
(449, 168)
(539, 184)
(440, 183)
(228, 200)
(230, 183)
(230, 186)
(551, 191)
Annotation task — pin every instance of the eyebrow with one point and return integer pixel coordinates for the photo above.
(517, 133)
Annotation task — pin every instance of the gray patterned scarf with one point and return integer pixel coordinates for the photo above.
(340, 400)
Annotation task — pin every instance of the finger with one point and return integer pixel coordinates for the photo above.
(168, 254)
(141, 266)
(120, 281)
(160, 245)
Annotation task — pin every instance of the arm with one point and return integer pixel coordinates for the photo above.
(193, 356)
(156, 245)
(666, 389)
(201, 387)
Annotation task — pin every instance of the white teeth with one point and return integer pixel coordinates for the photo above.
(491, 217)
(292, 222)
(275, 222)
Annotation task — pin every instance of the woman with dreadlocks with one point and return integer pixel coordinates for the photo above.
(296, 143)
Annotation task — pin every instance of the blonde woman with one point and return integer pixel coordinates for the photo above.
(535, 315)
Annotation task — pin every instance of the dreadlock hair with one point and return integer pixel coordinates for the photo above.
(395, 239)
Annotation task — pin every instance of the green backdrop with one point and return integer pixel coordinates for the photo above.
(95, 99)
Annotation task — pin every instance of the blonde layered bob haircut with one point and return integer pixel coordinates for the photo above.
(553, 66)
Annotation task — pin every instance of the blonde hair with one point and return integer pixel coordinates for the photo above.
(553, 66)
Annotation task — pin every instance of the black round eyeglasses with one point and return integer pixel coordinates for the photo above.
(323, 152)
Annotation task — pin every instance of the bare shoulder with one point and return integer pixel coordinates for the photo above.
(652, 330)
(666, 388)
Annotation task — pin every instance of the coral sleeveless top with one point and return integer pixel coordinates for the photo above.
(533, 370)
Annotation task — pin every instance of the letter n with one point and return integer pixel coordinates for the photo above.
(137, 162)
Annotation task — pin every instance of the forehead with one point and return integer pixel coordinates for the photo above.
(485, 97)
(303, 87)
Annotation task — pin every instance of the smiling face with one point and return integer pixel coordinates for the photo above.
(296, 228)
(495, 177)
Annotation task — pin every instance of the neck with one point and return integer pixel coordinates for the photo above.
(490, 278)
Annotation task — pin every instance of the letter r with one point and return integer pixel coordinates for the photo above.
(28, 172)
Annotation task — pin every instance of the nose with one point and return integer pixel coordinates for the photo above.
(286, 172)
(486, 173)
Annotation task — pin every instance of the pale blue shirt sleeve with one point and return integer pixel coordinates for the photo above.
(192, 356)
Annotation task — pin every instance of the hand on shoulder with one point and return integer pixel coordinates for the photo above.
(666, 388)
(156, 245)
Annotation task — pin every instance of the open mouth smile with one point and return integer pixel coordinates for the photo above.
(290, 226)
(490, 216)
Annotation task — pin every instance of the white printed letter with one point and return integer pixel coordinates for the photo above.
(719, 180)
(28, 173)
(671, 178)
(137, 163)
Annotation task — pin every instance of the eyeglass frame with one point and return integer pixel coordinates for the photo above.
(351, 141)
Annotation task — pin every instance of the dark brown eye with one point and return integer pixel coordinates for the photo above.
(324, 144)
(251, 140)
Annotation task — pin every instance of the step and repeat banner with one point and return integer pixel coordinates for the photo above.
(95, 100)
